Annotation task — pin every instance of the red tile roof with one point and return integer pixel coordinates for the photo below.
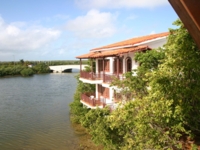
(116, 52)
(122, 47)
(133, 41)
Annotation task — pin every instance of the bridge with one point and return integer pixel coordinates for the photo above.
(65, 68)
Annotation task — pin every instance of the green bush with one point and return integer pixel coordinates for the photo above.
(27, 72)
(41, 68)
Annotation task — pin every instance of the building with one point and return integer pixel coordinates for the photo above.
(112, 61)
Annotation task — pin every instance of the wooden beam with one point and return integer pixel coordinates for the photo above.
(193, 9)
(91, 65)
(189, 11)
(92, 69)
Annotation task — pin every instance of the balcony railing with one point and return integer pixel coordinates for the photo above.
(91, 101)
(107, 78)
(91, 75)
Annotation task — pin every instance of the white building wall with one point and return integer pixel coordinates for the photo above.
(134, 63)
(111, 93)
(155, 43)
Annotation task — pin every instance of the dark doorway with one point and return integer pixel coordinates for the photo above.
(128, 64)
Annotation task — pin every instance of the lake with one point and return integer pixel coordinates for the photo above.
(34, 112)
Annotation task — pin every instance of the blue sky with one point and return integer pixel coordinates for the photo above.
(64, 29)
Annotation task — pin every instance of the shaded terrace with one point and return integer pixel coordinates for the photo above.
(107, 78)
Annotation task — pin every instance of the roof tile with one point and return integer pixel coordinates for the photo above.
(133, 41)
(122, 47)
(113, 52)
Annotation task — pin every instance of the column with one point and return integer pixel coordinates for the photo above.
(111, 94)
(91, 64)
(97, 94)
(112, 65)
(103, 69)
(80, 67)
(118, 66)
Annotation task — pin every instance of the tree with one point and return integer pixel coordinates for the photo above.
(21, 61)
(96, 122)
(170, 109)
(178, 77)
(136, 83)
(90, 66)
(41, 68)
(27, 72)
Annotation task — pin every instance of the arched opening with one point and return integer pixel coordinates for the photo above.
(128, 64)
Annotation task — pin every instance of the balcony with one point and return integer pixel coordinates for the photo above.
(91, 102)
(98, 78)
(91, 77)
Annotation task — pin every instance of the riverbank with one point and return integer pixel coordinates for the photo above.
(23, 69)
(85, 140)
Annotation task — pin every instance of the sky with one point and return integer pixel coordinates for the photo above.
(64, 29)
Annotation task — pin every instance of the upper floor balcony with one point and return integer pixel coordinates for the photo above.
(97, 78)
(91, 77)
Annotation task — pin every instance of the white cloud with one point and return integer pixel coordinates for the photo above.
(94, 24)
(120, 3)
(17, 37)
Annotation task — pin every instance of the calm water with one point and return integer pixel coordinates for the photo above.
(34, 112)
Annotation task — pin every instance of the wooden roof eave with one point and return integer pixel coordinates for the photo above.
(188, 11)
(119, 54)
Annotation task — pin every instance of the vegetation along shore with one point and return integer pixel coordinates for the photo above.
(165, 111)
(28, 68)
